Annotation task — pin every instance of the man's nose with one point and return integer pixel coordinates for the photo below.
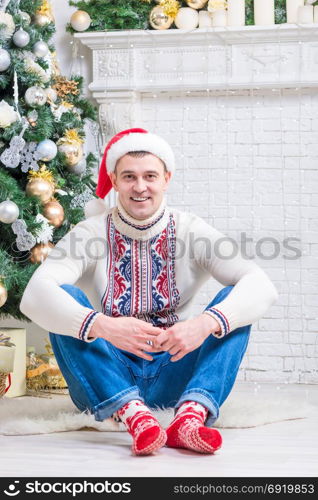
(140, 185)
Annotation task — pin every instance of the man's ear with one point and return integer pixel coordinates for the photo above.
(167, 179)
(113, 179)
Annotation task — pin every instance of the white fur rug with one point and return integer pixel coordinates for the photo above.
(57, 413)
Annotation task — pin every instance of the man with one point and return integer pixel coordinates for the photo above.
(146, 263)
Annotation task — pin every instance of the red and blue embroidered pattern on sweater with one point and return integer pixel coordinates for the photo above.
(141, 276)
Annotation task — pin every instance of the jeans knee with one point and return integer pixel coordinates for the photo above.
(70, 289)
(77, 294)
(221, 295)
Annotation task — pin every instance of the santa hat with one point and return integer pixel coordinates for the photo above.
(134, 139)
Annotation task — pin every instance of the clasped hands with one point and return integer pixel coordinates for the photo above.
(141, 338)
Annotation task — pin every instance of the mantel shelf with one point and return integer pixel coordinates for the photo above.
(245, 34)
(127, 64)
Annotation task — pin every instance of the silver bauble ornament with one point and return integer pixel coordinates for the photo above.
(80, 20)
(9, 212)
(5, 60)
(47, 149)
(35, 96)
(79, 168)
(21, 38)
(51, 94)
(41, 20)
(40, 49)
(25, 17)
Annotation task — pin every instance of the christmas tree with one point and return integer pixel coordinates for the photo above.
(45, 180)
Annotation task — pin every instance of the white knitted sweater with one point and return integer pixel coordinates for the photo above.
(148, 269)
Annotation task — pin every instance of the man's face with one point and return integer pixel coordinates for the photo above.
(140, 183)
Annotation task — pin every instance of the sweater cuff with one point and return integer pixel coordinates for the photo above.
(85, 325)
(222, 321)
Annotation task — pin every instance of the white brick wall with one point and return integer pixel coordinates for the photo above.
(249, 163)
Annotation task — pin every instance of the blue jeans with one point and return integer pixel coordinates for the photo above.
(101, 378)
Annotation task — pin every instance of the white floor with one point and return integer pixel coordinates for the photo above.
(283, 449)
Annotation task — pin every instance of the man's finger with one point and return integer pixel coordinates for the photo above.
(162, 338)
(178, 356)
(143, 355)
(174, 350)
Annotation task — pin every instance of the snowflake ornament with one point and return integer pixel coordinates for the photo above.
(81, 199)
(45, 233)
(25, 240)
(29, 157)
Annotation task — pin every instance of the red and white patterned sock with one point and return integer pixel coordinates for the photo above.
(187, 430)
(145, 429)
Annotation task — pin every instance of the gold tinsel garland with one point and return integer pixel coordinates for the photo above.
(42, 173)
(46, 10)
(63, 86)
(170, 7)
(72, 136)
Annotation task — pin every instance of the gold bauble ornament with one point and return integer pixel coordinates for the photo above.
(73, 152)
(71, 146)
(54, 213)
(159, 20)
(196, 4)
(3, 294)
(80, 20)
(41, 19)
(39, 253)
(40, 188)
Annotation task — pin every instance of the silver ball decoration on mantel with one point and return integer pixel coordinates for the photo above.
(5, 60)
(40, 49)
(47, 149)
(9, 212)
(35, 96)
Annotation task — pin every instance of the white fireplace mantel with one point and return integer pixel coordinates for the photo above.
(129, 63)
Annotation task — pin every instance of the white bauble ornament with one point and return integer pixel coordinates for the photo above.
(8, 26)
(9, 212)
(80, 20)
(35, 96)
(5, 60)
(187, 18)
(40, 49)
(51, 94)
(47, 149)
(21, 38)
(25, 17)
